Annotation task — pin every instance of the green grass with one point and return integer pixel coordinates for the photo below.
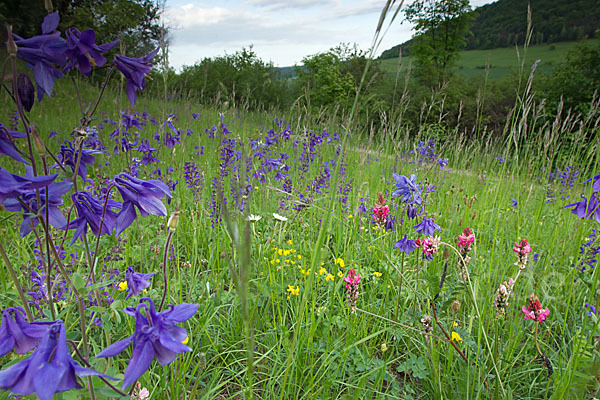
(310, 345)
(501, 61)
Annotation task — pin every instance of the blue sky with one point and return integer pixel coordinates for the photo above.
(281, 31)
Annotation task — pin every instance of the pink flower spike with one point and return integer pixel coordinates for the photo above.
(534, 310)
(543, 315)
(353, 278)
(528, 314)
(522, 248)
(466, 238)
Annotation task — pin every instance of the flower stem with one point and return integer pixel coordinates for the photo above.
(472, 293)
(165, 277)
(13, 275)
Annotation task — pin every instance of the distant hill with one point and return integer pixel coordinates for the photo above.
(504, 23)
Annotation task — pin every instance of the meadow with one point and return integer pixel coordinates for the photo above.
(499, 62)
(293, 255)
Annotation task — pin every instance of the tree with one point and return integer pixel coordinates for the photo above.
(576, 79)
(440, 30)
(323, 80)
(242, 79)
(134, 22)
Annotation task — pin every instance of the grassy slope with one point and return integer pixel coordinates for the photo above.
(502, 61)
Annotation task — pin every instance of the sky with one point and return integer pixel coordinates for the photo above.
(280, 31)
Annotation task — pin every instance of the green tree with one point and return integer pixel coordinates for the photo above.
(242, 79)
(440, 27)
(577, 78)
(323, 81)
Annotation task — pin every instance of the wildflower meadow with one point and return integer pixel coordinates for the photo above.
(154, 248)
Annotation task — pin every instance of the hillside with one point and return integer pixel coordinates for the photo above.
(504, 23)
(501, 61)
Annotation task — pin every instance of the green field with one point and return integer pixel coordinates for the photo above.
(501, 61)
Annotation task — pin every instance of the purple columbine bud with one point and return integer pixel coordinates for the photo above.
(26, 91)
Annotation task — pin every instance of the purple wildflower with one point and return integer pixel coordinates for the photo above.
(90, 211)
(135, 71)
(19, 334)
(407, 189)
(427, 227)
(82, 52)
(42, 53)
(155, 336)
(6, 143)
(144, 195)
(405, 245)
(30, 207)
(137, 281)
(48, 370)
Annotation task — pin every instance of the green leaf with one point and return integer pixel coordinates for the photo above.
(78, 281)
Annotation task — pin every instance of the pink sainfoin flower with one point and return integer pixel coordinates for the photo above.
(380, 211)
(534, 309)
(352, 281)
(429, 246)
(465, 240)
(522, 249)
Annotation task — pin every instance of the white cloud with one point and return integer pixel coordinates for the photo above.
(190, 15)
(279, 4)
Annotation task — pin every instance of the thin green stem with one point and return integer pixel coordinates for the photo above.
(13, 275)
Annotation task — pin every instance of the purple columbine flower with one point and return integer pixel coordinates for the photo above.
(17, 333)
(50, 196)
(390, 223)
(515, 203)
(407, 189)
(12, 186)
(427, 227)
(155, 336)
(596, 184)
(405, 245)
(69, 156)
(145, 195)
(136, 282)
(48, 370)
(411, 212)
(90, 212)
(6, 145)
(584, 209)
(82, 52)
(135, 70)
(42, 53)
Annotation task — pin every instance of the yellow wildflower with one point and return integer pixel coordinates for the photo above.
(329, 277)
(377, 274)
(456, 337)
(340, 274)
(322, 271)
(122, 286)
(289, 242)
(341, 262)
(293, 291)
